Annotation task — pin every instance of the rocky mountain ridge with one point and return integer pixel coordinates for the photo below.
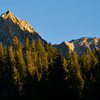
(11, 26)
(79, 45)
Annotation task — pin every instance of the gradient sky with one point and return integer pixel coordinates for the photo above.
(58, 20)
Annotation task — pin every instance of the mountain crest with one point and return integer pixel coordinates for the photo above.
(11, 26)
(79, 45)
(23, 24)
(7, 14)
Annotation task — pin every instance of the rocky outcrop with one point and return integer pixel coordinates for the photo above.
(11, 26)
(78, 45)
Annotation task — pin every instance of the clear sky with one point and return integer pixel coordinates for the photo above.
(58, 20)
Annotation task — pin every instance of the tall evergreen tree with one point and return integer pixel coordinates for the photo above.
(33, 45)
(75, 78)
(15, 42)
(39, 46)
(21, 67)
(88, 60)
(29, 63)
(11, 56)
(5, 54)
(1, 52)
(27, 43)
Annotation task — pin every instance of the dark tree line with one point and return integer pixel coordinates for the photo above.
(38, 72)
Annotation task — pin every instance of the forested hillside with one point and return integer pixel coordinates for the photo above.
(38, 72)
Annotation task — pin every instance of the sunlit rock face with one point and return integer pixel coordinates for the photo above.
(78, 45)
(11, 26)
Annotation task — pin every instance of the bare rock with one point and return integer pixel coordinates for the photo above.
(79, 45)
(11, 26)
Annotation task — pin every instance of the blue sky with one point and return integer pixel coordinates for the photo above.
(58, 20)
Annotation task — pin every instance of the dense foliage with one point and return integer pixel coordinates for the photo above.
(38, 72)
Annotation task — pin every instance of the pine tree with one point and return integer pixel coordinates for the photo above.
(20, 68)
(78, 72)
(41, 60)
(33, 52)
(50, 52)
(75, 78)
(39, 46)
(16, 77)
(15, 42)
(5, 54)
(11, 56)
(1, 52)
(27, 43)
(33, 45)
(20, 61)
(29, 63)
(88, 59)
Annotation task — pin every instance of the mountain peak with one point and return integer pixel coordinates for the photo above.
(7, 15)
(10, 18)
(8, 12)
(11, 26)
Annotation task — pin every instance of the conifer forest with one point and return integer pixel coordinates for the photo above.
(37, 71)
